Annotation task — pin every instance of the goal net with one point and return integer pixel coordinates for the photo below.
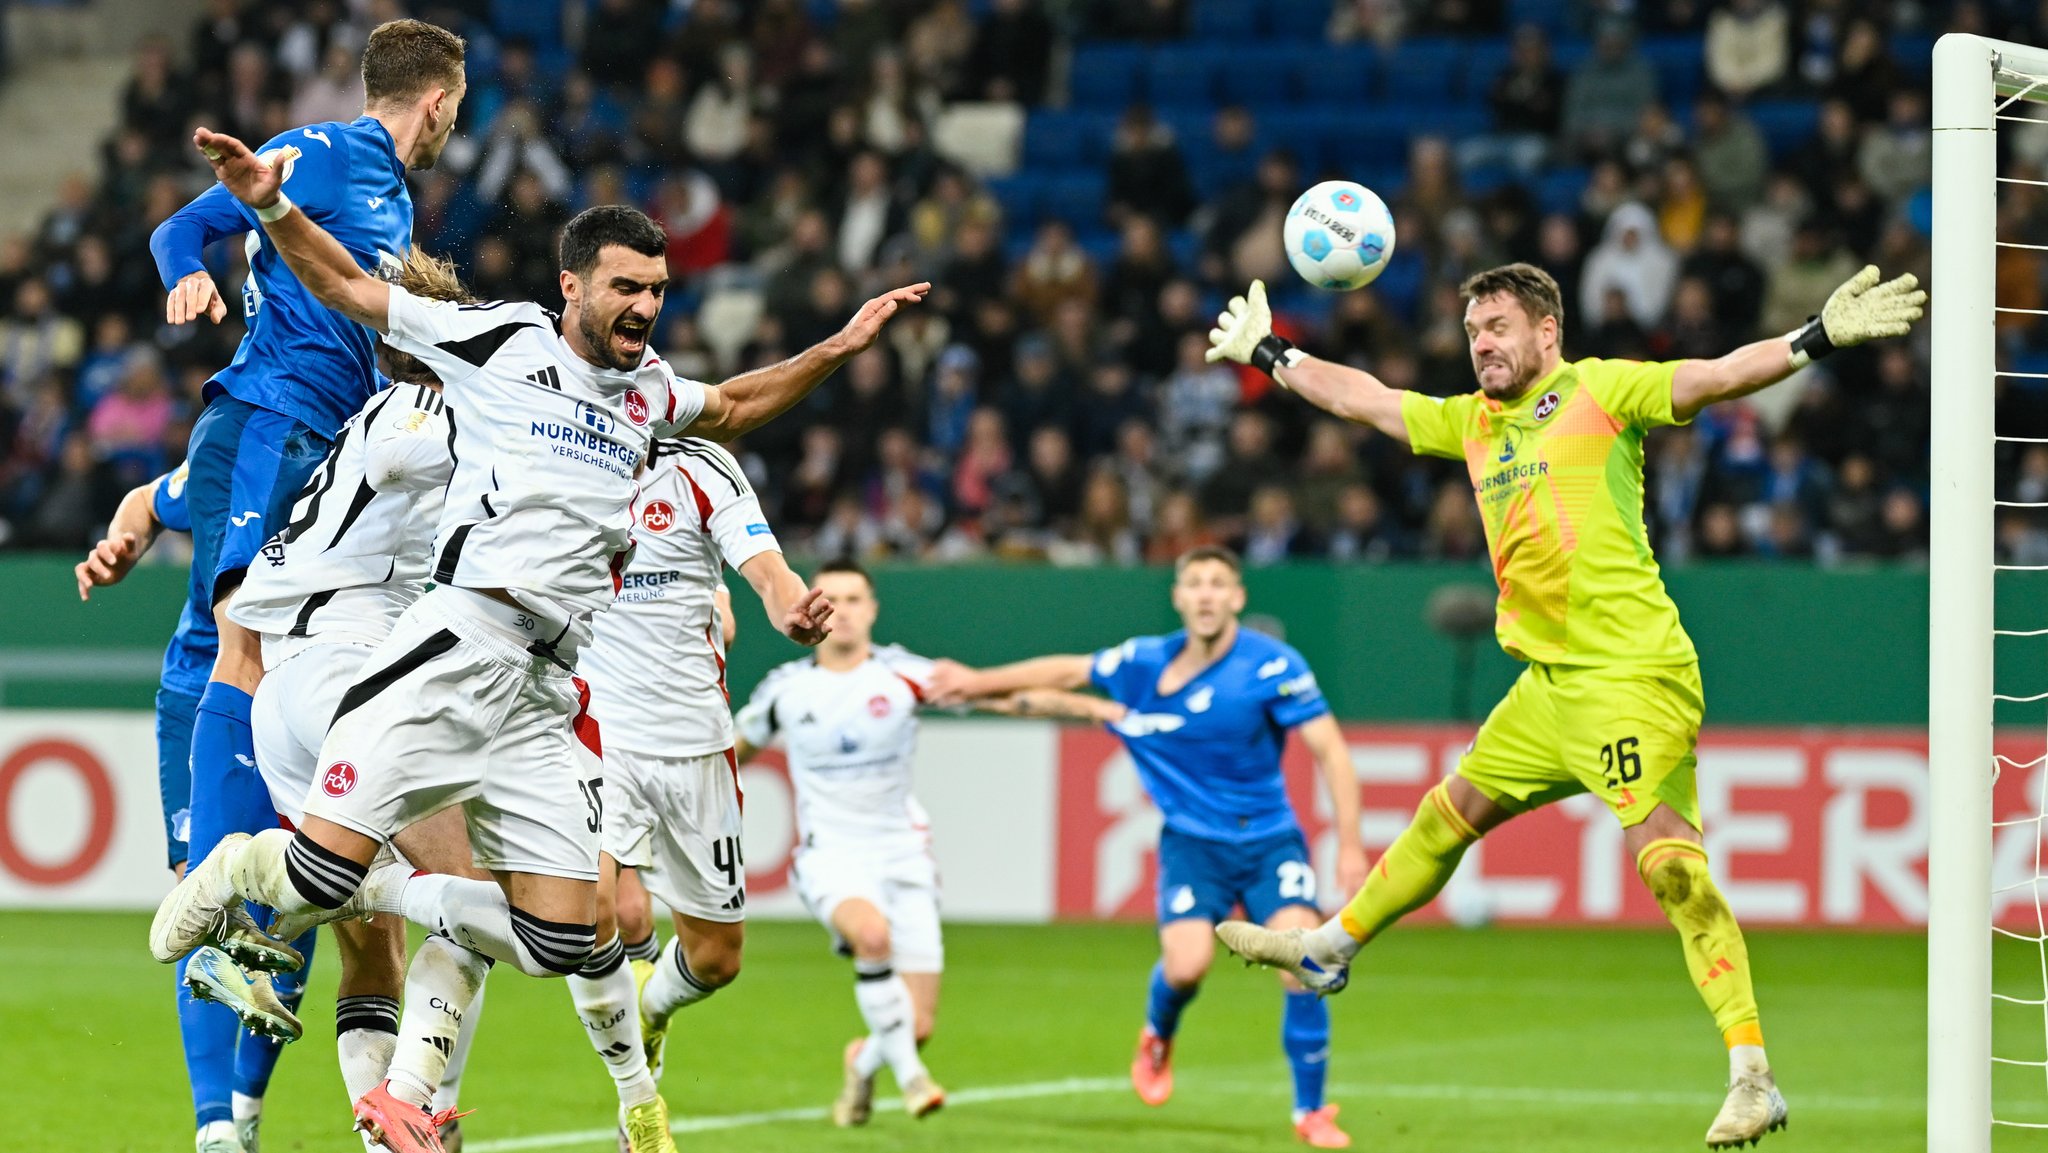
(1987, 932)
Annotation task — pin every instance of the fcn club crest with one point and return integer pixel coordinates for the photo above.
(636, 406)
(659, 516)
(339, 779)
(1547, 406)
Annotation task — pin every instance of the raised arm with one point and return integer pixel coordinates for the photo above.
(800, 613)
(955, 683)
(1858, 311)
(750, 400)
(1244, 333)
(179, 246)
(129, 535)
(314, 256)
(1326, 743)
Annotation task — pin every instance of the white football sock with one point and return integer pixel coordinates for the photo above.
(867, 1061)
(886, 1006)
(365, 1034)
(478, 917)
(1747, 1061)
(245, 1107)
(450, 1090)
(1339, 940)
(673, 986)
(439, 987)
(605, 1001)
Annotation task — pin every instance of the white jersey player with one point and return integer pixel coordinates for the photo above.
(656, 668)
(324, 593)
(473, 700)
(847, 720)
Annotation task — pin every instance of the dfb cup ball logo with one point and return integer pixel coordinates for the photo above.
(339, 779)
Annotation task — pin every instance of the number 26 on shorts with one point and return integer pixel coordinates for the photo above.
(1620, 763)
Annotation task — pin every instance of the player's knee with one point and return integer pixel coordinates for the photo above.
(870, 941)
(1187, 971)
(551, 948)
(715, 968)
(1677, 876)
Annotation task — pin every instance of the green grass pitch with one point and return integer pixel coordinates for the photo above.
(1525, 1039)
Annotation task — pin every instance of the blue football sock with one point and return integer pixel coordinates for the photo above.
(228, 794)
(256, 1057)
(1305, 1035)
(1164, 1004)
(208, 1031)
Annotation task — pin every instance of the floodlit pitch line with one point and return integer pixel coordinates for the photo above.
(1362, 1091)
(1068, 1087)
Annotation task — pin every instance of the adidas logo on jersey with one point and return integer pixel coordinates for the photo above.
(550, 377)
(738, 902)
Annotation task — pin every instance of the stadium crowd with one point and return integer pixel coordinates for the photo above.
(1054, 402)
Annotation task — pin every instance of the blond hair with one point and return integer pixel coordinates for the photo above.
(429, 277)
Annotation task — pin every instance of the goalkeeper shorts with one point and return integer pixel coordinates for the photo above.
(1629, 735)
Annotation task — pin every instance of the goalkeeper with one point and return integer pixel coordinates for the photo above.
(1610, 700)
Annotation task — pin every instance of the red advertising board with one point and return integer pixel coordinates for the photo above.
(1803, 827)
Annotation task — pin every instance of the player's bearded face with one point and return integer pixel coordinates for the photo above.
(1506, 346)
(615, 307)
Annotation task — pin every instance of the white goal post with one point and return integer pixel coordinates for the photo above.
(1973, 77)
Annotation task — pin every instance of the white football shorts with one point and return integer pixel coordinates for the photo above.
(290, 714)
(455, 709)
(677, 820)
(901, 879)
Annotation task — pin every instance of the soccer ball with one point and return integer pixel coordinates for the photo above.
(1339, 235)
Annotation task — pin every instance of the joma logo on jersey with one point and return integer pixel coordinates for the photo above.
(636, 406)
(593, 417)
(659, 516)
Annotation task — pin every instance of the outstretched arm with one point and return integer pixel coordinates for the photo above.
(129, 535)
(1057, 704)
(954, 683)
(1860, 310)
(750, 400)
(1244, 333)
(1326, 743)
(314, 256)
(799, 613)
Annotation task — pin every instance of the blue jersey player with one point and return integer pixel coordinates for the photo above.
(229, 1069)
(1208, 710)
(300, 372)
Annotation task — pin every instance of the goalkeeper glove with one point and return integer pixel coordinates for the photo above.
(1244, 333)
(1860, 310)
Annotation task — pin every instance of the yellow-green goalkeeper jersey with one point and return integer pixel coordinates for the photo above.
(1559, 477)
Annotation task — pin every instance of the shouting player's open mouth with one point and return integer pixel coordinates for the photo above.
(629, 333)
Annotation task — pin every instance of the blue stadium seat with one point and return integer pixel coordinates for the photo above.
(1300, 131)
(1054, 139)
(1019, 195)
(1400, 284)
(539, 24)
(1105, 75)
(1258, 76)
(1075, 196)
(1568, 52)
(1299, 19)
(1186, 248)
(1422, 70)
(1335, 75)
(1786, 124)
(1486, 179)
(1181, 74)
(1214, 173)
(1553, 16)
(1914, 54)
(1485, 60)
(1100, 246)
(1559, 189)
(1680, 68)
(1230, 21)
